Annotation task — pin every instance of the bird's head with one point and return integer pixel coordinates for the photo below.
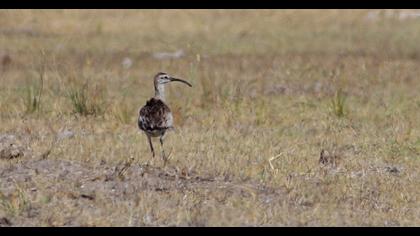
(163, 78)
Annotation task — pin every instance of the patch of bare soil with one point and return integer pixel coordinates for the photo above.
(115, 183)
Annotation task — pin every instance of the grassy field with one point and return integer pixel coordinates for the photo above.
(271, 90)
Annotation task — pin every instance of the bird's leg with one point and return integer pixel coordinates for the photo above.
(151, 145)
(164, 156)
(163, 150)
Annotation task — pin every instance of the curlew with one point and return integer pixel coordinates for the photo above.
(155, 118)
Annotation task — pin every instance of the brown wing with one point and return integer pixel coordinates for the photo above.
(155, 115)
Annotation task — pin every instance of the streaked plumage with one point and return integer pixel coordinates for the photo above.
(155, 118)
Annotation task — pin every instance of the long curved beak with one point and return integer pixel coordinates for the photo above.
(180, 80)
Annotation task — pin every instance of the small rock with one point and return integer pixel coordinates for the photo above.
(127, 63)
(65, 134)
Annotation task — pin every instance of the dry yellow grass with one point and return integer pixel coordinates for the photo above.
(271, 89)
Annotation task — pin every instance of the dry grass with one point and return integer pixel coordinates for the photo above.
(267, 83)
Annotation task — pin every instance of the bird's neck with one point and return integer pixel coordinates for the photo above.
(160, 92)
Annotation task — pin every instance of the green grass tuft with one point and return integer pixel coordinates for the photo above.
(338, 104)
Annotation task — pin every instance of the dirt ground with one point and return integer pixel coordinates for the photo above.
(88, 187)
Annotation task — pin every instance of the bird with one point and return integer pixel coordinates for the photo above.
(155, 117)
